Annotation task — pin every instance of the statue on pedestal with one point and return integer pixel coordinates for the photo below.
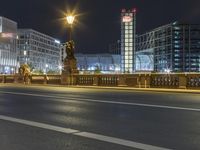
(25, 73)
(70, 62)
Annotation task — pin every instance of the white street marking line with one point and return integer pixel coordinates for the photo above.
(99, 137)
(69, 99)
(119, 141)
(37, 124)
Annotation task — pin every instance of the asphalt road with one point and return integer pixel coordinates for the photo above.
(63, 118)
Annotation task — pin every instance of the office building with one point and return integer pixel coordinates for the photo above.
(128, 32)
(170, 48)
(40, 51)
(8, 46)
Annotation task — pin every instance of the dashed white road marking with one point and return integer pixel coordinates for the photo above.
(70, 99)
(89, 135)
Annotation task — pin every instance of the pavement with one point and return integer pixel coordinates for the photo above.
(60, 118)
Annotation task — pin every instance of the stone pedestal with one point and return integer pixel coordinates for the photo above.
(18, 78)
(70, 66)
(70, 69)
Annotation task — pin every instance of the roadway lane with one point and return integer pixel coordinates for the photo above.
(73, 108)
(20, 137)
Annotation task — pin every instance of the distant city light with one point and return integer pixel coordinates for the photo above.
(60, 67)
(6, 35)
(7, 69)
(25, 53)
(117, 68)
(57, 41)
(167, 70)
(111, 68)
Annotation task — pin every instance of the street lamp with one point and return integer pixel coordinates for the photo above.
(46, 66)
(70, 60)
(60, 67)
(70, 20)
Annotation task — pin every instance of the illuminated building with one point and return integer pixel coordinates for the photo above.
(8, 46)
(106, 63)
(128, 32)
(170, 48)
(88, 63)
(40, 51)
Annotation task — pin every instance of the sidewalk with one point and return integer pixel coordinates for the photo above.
(143, 89)
(193, 91)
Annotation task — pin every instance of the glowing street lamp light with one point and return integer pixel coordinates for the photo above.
(60, 67)
(69, 64)
(70, 20)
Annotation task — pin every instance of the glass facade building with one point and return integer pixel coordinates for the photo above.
(106, 63)
(8, 46)
(173, 48)
(128, 32)
(40, 51)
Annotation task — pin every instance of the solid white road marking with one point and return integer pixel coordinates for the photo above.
(119, 141)
(37, 124)
(89, 135)
(69, 99)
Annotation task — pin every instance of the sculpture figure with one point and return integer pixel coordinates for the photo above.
(25, 72)
(70, 50)
(70, 63)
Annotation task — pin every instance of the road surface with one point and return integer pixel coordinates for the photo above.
(64, 118)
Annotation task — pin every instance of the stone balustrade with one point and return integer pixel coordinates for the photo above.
(139, 80)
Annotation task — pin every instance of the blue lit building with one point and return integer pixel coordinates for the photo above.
(171, 48)
(106, 63)
(88, 63)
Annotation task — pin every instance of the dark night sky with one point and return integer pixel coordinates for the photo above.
(99, 20)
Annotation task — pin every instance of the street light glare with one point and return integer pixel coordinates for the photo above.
(70, 19)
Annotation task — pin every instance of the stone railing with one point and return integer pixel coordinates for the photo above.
(148, 80)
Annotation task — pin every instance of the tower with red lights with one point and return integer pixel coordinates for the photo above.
(128, 36)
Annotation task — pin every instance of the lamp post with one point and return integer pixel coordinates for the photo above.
(70, 20)
(70, 62)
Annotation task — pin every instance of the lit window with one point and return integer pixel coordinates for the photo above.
(126, 40)
(126, 32)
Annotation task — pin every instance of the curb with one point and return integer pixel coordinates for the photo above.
(189, 91)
